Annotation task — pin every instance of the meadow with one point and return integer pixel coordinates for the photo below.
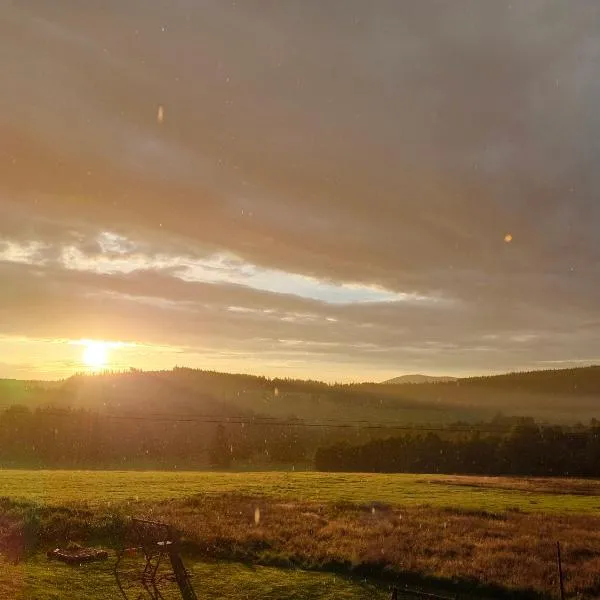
(213, 580)
(551, 496)
(315, 532)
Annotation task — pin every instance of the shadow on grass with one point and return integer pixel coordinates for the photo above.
(380, 573)
(25, 528)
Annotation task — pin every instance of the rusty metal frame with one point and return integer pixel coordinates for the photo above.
(158, 543)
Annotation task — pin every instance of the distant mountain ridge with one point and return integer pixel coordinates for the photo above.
(418, 378)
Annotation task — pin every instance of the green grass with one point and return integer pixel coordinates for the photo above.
(105, 488)
(40, 579)
(474, 541)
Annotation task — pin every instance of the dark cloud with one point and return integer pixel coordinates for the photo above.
(392, 144)
(230, 320)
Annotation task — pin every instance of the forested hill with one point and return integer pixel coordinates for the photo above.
(579, 381)
(418, 378)
(188, 418)
(559, 395)
(566, 395)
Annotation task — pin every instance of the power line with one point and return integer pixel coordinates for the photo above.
(273, 421)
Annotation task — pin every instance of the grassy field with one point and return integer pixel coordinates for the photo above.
(470, 533)
(38, 579)
(475, 493)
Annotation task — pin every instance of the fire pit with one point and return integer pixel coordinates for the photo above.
(77, 556)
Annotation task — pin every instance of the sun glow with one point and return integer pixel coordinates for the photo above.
(95, 355)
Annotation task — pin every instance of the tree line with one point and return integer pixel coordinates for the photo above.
(528, 450)
(47, 437)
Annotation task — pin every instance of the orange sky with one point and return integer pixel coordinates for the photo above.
(331, 190)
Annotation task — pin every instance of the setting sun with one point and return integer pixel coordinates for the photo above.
(95, 355)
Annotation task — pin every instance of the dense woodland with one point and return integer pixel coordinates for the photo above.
(51, 438)
(66, 438)
(197, 419)
(528, 449)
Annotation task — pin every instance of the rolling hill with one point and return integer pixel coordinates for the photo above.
(418, 378)
(566, 396)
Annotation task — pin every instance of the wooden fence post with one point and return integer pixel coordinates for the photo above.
(560, 572)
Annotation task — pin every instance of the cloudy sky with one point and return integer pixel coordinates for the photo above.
(340, 190)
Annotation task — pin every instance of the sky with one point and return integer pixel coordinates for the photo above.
(341, 190)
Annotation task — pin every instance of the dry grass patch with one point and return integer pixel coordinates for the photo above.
(536, 485)
(510, 550)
